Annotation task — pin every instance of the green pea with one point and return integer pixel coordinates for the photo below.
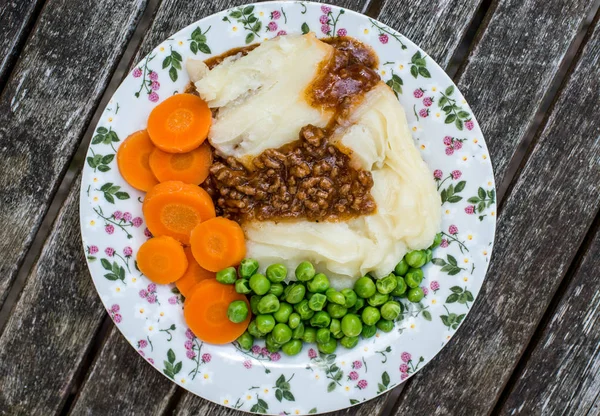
(310, 335)
(400, 286)
(414, 277)
(401, 268)
(323, 335)
(368, 331)
(286, 290)
(378, 299)
(227, 276)
(317, 301)
(282, 333)
(292, 347)
(254, 300)
(265, 323)
(320, 283)
(276, 273)
(305, 271)
(351, 325)
(336, 311)
(296, 293)
(436, 241)
(365, 287)
(283, 294)
(321, 319)
(253, 330)
(247, 268)
(350, 296)
(268, 304)
(304, 310)
(283, 313)
(336, 327)
(245, 341)
(349, 342)
(242, 286)
(294, 320)
(370, 315)
(360, 302)
(276, 289)
(298, 332)
(385, 325)
(429, 255)
(272, 345)
(416, 258)
(259, 284)
(237, 311)
(415, 294)
(391, 310)
(328, 347)
(387, 284)
(334, 296)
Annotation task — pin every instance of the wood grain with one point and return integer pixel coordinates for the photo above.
(45, 108)
(16, 18)
(52, 324)
(512, 65)
(541, 227)
(123, 383)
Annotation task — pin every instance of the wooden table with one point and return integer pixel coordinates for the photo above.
(529, 69)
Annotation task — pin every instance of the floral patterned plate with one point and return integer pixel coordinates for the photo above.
(151, 317)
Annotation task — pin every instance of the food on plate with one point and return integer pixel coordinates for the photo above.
(175, 208)
(206, 312)
(162, 260)
(218, 243)
(179, 124)
(190, 167)
(311, 172)
(193, 275)
(132, 160)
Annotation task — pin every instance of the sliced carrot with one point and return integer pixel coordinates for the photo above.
(191, 167)
(192, 276)
(180, 123)
(205, 312)
(174, 208)
(218, 243)
(162, 260)
(132, 160)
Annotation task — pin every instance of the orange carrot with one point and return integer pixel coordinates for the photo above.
(174, 208)
(191, 167)
(218, 243)
(180, 123)
(205, 312)
(132, 160)
(162, 260)
(192, 276)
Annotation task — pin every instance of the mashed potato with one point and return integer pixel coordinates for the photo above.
(251, 119)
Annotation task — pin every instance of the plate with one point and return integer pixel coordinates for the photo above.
(150, 316)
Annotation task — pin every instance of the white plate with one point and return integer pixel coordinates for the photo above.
(151, 317)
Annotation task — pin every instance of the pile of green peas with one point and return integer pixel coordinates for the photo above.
(308, 310)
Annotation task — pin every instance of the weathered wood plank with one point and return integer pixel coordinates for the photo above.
(122, 383)
(15, 21)
(541, 227)
(45, 108)
(52, 324)
(567, 356)
(436, 26)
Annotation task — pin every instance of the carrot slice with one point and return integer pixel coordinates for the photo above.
(205, 312)
(174, 208)
(218, 243)
(191, 167)
(132, 160)
(180, 123)
(192, 276)
(162, 260)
